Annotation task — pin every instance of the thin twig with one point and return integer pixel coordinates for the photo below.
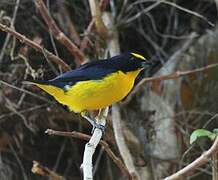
(25, 91)
(22, 111)
(144, 11)
(84, 43)
(203, 159)
(97, 16)
(124, 151)
(46, 172)
(11, 107)
(216, 1)
(189, 12)
(50, 34)
(215, 166)
(174, 75)
(21, 166)
(11, 26)
(37, 47)
(67, 24)
(58, 34)
(171, 4)
(103, 143)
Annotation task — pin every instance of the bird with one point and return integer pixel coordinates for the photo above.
(97, 84)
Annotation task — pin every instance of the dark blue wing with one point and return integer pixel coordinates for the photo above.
(91, 71)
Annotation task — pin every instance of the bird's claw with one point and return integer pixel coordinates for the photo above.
(94, 124)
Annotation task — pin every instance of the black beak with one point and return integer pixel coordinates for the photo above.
(146, 64)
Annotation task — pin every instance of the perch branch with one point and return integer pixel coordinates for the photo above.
(37, 47)
(92, 144)
(104, 145)
(173, 75)
(203, 159)
(58, 34)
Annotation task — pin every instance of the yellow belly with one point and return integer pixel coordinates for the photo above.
(94, 94)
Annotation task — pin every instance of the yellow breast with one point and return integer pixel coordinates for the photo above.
(94, 94)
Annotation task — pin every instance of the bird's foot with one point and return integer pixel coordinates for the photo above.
(94, 124)
(98, 126)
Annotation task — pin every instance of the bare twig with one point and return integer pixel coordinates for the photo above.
(215, 166)
(37, 47)
(104, 144)
(44, 171)
(11, 26)
(124, 151)
(203, 159)
(13, 109)
(189, 12)
(21, 112)
(216, 1)
(96, 15)
(15, 153)
(171, 4)
(84, 43)
(64, 19)
(165, 68)
(58, 34)
(25, 91)
(174, 75)
(50, 33)
(139, 14)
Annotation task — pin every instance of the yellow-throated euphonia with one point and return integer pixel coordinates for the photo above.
(97, 84)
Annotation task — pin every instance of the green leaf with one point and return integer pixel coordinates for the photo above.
(202, 133)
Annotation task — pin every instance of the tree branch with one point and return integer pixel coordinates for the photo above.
(96, 15)
(92, 144)
(84, 43)
(103, 143)
(37, 47)
(11, 26)
(66, 22)
(124, 151)
(44, 171)
(203, 159)
(216, 1)
(174, 75)
(58, 34)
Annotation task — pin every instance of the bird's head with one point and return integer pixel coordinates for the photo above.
(140, 61)
(129, 62)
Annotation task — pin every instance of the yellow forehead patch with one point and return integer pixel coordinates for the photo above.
(138, 56)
